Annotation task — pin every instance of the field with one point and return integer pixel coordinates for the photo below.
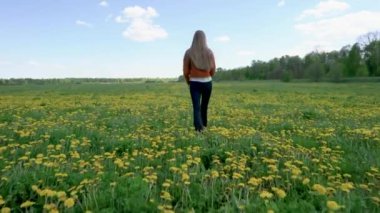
(269, 147)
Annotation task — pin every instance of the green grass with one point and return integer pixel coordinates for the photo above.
(131, 148)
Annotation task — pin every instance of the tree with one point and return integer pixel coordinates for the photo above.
(275, 69)
(368, 38)
(362, 71)
(260, 69)
(315, 70)
(372, 58)
(353, 61)
(360, 59)
(336, 71)
(295, 67)
(370, 44)
(286, 76)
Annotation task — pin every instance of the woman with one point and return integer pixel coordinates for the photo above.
(198, 68)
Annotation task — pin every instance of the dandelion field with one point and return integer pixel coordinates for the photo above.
(269, 147)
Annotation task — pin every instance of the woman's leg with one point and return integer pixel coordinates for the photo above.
(206, 93)
(195, 91)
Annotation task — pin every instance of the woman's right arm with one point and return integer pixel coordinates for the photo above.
(213, 66)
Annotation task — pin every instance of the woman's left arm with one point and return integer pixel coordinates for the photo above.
(186, 67)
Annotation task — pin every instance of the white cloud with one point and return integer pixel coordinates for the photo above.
(120, 20)
(223, 38)
(141, 27)
(103, 4)
(281, 3)
(83, 23)
(333, 33)
(245, 53)
(325, 8)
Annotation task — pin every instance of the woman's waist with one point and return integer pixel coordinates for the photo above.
(201, 79)
(199, 73)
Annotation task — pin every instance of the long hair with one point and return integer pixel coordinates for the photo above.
(199, 52)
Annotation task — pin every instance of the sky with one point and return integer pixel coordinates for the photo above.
(148, 38)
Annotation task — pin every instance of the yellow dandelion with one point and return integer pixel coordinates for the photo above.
(50, 206)
(330, 190)
(306, 181)
(346, 187)
(174, 169)
(279, 192)
(320, 189)
(185, 177)
(374, 169)
(27, 204)
(296, 171)
(214, 174)
(254, 181)
(347, 175)
(129, 174)
(197, 160)
(23, 158)
(35, 188)
(160, 207)
(273, 168)
(5, 210)
(376, 200)
(333, 206)
(364, 186)
(49, 192)
(268, 178)
(166, 195)
(184, 167)
(1, 200)
(61, 175)
(55, 210)
(38, 161)
(266, 195)
(236, 175)
(61, 195)
(166, 185)
(119, 162)
(69, 202)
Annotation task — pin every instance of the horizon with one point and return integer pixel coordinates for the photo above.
(147, 39)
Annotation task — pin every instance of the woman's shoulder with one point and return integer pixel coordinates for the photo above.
(187, 54)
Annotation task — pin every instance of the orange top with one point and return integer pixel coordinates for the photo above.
(189, 70)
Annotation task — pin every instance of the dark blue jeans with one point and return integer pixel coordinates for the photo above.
(200, 96)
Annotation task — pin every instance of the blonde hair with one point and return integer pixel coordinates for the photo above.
(199, 52)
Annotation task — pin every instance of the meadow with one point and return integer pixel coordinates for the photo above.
(269, 147)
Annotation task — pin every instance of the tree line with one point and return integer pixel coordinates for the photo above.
(359, 60)
(53, 81)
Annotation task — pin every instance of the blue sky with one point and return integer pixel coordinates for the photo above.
(147, 38)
